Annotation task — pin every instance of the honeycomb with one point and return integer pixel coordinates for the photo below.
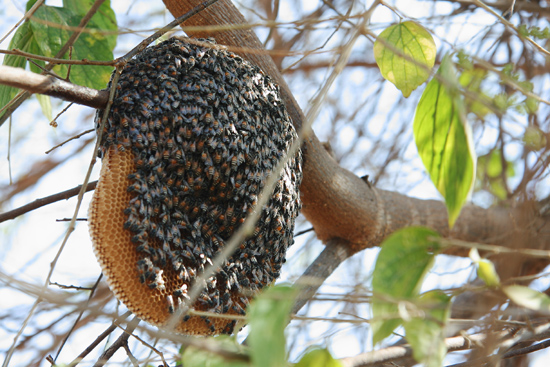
(193, 134)
(116, 253)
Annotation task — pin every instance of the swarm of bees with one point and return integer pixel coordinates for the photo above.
(192, 136)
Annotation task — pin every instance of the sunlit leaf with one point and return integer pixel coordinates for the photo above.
(471, 80)
(443, 139)
(195, 357)
(268, 316)
(426, 334)
(405, 258)
(21, 40)
(45, 101)
(52, 28)
(46, 105)
(527, 297)
(49, 29)
(318, 358)
(413, 41)
(485, 269)
(490, 176)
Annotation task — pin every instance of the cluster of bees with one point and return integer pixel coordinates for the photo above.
(206, 129)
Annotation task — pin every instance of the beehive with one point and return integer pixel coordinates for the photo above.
(192, 136)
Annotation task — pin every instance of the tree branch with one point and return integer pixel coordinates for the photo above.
(339, 204)
(48, 85)
(505, 339)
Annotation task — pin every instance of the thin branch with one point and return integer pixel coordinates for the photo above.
(527, 350)
(92, 291)
(398, 353)
(68, 140)
(119, 343)
(38, 203)
(57, 61)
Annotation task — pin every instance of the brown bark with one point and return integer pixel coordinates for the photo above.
(338, 203)
(36, 83)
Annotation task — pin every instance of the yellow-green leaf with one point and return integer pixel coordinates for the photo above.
(443, 139)
(195, 357)
(416, 44)
(490, 176)
(485, 269)
(534, 138)
(268, 316)
(426, 334)
(22, 39)
(46, 105)
(529, 298)
(316, 357)
(51, 28)
(471, 80)
(405, 258)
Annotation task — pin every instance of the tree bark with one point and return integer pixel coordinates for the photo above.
(338, 203)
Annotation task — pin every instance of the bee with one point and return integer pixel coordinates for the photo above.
(170, 303)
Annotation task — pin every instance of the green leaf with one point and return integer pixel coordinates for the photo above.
(317, 357)
(194, 357)
(443, 139)
(45, 101)
(487, 272)
(22, 39)
(528, 298)
(485, 269)
(50, 26)
(46, 105)
(426, 334)
(534, 138)
(471, 80)
(530, 105)
(489, 173)
(413, 41)
(268, 316)
(405, 258)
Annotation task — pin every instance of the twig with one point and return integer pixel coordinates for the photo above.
(57, 61)
(133, 359)
(120, 342)
(75, 287)
(38, 203)
(98, 340)
(527, 350)
(54, 123)
(27, 15)
(92, 291)
(155, 350)
(68, 140)
(143, 44)
(304, 232)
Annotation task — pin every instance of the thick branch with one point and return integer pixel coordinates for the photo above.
(36, 83)
(338, 203)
